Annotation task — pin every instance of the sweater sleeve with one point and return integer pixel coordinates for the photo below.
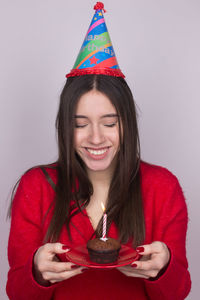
(25, 238)
(171, 227)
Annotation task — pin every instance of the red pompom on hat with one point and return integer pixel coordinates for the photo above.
(96, 55)
(99, 6)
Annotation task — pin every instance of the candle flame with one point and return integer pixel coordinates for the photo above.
(103, 207)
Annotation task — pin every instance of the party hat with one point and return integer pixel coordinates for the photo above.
(96, 55)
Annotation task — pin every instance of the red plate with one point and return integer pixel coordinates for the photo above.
(79, 256)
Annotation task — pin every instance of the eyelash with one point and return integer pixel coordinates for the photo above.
(110, 125)
(107, 125)
(80, 126)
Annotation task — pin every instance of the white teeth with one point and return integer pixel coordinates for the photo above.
(97, 152)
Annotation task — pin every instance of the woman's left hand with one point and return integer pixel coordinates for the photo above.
(155, 258)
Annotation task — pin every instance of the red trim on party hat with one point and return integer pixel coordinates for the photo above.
(98, 71)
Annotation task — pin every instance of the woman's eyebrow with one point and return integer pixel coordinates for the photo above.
(80, 116)
(110, 116)
(104, 116)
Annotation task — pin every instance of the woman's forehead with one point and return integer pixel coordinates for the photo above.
(95, 103)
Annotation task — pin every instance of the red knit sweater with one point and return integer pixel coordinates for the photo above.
(165, 220)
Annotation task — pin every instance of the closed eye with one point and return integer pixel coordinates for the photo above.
(110, 125)
(80, 126)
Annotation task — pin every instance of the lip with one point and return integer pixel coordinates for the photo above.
(99, 156)
(97, 149)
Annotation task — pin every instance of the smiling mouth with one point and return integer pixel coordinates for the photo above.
(97, 152)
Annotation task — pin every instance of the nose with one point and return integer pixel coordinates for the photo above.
(96, 135)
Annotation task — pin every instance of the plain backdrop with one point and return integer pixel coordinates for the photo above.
(157, 46)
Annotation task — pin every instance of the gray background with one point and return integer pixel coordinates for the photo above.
(157, 46)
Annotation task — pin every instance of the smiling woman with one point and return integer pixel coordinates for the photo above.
(57, 208)
(97, 132)
(99, 162)
(93, 110)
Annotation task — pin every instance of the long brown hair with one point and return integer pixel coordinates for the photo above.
(124, 205)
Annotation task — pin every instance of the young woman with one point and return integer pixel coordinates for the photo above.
(58, 207)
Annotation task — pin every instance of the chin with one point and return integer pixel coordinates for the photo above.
(99, 166)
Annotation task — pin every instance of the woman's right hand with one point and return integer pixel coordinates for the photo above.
(48, 269)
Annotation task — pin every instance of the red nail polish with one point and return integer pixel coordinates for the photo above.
(75, 267)
(140, 249)
(64, 247)
(133, 265)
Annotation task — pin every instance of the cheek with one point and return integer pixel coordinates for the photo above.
(114, 137)
(79, 137)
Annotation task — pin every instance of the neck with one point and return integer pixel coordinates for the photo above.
(100, 178)
(101, 182)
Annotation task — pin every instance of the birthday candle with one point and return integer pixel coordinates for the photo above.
(104, 225)
(104, 222)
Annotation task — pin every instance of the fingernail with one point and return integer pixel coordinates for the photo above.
(140, 249)
(133, 265)
(75, 267)
(64, 247)
(83, 270)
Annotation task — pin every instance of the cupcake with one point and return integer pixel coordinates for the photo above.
(103, 251)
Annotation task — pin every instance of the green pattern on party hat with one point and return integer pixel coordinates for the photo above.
(86, 50)
(96, 55)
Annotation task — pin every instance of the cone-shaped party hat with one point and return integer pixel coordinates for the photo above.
(96, 55)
